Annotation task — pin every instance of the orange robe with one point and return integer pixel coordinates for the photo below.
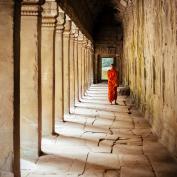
(112, 84)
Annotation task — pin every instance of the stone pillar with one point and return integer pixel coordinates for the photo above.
(72, 71)
(99, 69)
(76, 65)
(59, 112)
(49, 14)
(83, 66)
(92, 63)
(86, 65)
(80, 41)
(7, 109)
(89, 63)
(30, 117)
(66, 63)
(96, 59)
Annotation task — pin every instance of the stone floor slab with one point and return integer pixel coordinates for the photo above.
(127, 149)
(136, 172)
(106, 160)
(129, 160)
(102, 140)
(122, 124)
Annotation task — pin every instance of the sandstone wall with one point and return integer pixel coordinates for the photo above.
(150, 64)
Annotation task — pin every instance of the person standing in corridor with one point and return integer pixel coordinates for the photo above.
(112, 84)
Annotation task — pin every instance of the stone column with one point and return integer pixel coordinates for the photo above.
(49, 14)
(76, 65)
(72, 71)
(59, 112)
(7, 96)
(80, 41)
(89, 63)
(99, 69)
(92, 63)
(86, 65)
(30, 118)
(96, 58)
(83, 66)
(66, 63)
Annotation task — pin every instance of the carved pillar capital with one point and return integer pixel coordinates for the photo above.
(85, 42)
(67, 27)
(92, 47)
(76, 34)
(49, 13)
(61, 19)
(80, 37)
(30, 8)
(73, 30)
(89, 44)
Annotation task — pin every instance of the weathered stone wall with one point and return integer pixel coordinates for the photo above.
(150, 64)
(6, 88)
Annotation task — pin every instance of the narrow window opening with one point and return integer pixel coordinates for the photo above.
(105, 66)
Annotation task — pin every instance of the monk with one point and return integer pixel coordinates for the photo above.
(112, 84)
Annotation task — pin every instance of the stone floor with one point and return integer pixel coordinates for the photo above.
(102, 140)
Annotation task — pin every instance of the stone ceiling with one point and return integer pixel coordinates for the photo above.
(87, 13)
(97, 7)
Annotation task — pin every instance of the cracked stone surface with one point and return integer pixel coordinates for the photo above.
(102, 140)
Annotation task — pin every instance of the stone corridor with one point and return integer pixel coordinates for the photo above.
(102, 140)
(55, 119)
